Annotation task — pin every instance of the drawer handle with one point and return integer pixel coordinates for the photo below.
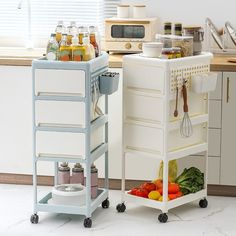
(58, 94)
(227, 92)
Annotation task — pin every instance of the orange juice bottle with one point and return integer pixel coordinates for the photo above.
(65, 49)
(81, 31)
(60, 29)
(89, 49)
(78, 51)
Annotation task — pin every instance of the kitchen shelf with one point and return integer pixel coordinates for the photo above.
(149, 128)
(64, 142)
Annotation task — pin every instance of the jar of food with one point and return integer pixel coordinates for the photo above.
(64, 173)
(178, 29)
(77, 176)
(171, 53)
(197, 33)
(139, 11)
(167, 28)
(123, 11)
(185, 43)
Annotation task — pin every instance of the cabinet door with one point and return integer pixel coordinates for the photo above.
(228, 157)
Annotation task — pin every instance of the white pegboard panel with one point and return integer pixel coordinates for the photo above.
(178, 75)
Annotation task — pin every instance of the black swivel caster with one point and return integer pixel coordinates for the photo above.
(34, 219)
(163, 218)
(87, 223)
(121, 207)
(105, 204)
(203, 203)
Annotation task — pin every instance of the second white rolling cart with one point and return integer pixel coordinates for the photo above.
(149, 126)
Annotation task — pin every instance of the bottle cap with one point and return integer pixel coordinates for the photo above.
(64, 167)
(60, 22)
(78, 168)
(93, 169)
(73, 23)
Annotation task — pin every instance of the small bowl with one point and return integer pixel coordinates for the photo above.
(152, 49)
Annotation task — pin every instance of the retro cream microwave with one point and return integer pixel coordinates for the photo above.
(127, 35)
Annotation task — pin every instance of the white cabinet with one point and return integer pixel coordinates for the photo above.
(16, 119)
(228, 157)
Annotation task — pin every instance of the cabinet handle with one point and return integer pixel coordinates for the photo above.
(228, 88)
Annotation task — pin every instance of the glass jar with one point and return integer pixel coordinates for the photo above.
(185, 43)
(167, 28)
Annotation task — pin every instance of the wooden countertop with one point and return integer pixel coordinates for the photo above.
(219, 62)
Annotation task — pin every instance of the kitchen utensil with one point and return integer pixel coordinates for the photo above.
(231, 31)
(152, 49)
(186, 129)
(176, 101)
(69, 194)
(215, 33)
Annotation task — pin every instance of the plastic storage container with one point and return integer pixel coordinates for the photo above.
(109, 83)
(204, 83)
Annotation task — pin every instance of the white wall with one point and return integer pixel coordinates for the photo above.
(190, 12)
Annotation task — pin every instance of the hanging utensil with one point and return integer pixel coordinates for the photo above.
(186, 129)
(176, 100)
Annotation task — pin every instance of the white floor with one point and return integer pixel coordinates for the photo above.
(219, 219)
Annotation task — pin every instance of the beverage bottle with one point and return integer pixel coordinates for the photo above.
(78, 51)
(64, 173)
(94, 181)
(81, 31)
(52, 48)
(89, 49)
(65, 49)
(71, 32)
(77, 174)
(60, 29)
(93, 35)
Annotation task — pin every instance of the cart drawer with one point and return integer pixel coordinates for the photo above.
(143, 138)
(60, 113)
(150, 78)
(143, 108)
(150, 140)
(61, 144)
(59, 82)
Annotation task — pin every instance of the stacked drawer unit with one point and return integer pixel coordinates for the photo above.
(149, 126)
(65, 128)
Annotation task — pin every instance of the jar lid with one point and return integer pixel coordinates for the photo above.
(192, 27)
(139, 5)
(123, 5)
(69, 190)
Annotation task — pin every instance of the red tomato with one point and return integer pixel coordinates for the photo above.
(148, 186)
(142, 193)
(133, 191)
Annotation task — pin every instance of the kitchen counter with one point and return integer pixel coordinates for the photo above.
(219, 62)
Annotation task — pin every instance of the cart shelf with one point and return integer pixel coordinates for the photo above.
(166, 205)
(44, 204)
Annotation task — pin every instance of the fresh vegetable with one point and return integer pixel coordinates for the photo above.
(172, 196)
(173, 169)
(191, 180)
(173, 188)
(133, 191)
(148, 186)
(154, 195)
(142, 193)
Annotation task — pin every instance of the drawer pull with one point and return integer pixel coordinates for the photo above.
(58, 94)
(228, 88)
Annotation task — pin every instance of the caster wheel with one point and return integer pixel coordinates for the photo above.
(87, 223)
(163, 218)
(105, 204)
(121, 207)
(34, 219)
(203, 203)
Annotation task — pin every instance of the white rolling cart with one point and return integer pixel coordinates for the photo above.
(149, 126)
(64, 129)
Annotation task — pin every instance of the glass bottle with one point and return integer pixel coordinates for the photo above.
(71, 32)
(81, 31)
(77, 176)
(89, 49)
(65, 49)
(78, 51)
(178, 29)
(60, 29)
(64, 173)
(52, 48)
(167, 28)
(93, 35)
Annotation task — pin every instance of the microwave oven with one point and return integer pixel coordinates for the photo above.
(127, 35)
